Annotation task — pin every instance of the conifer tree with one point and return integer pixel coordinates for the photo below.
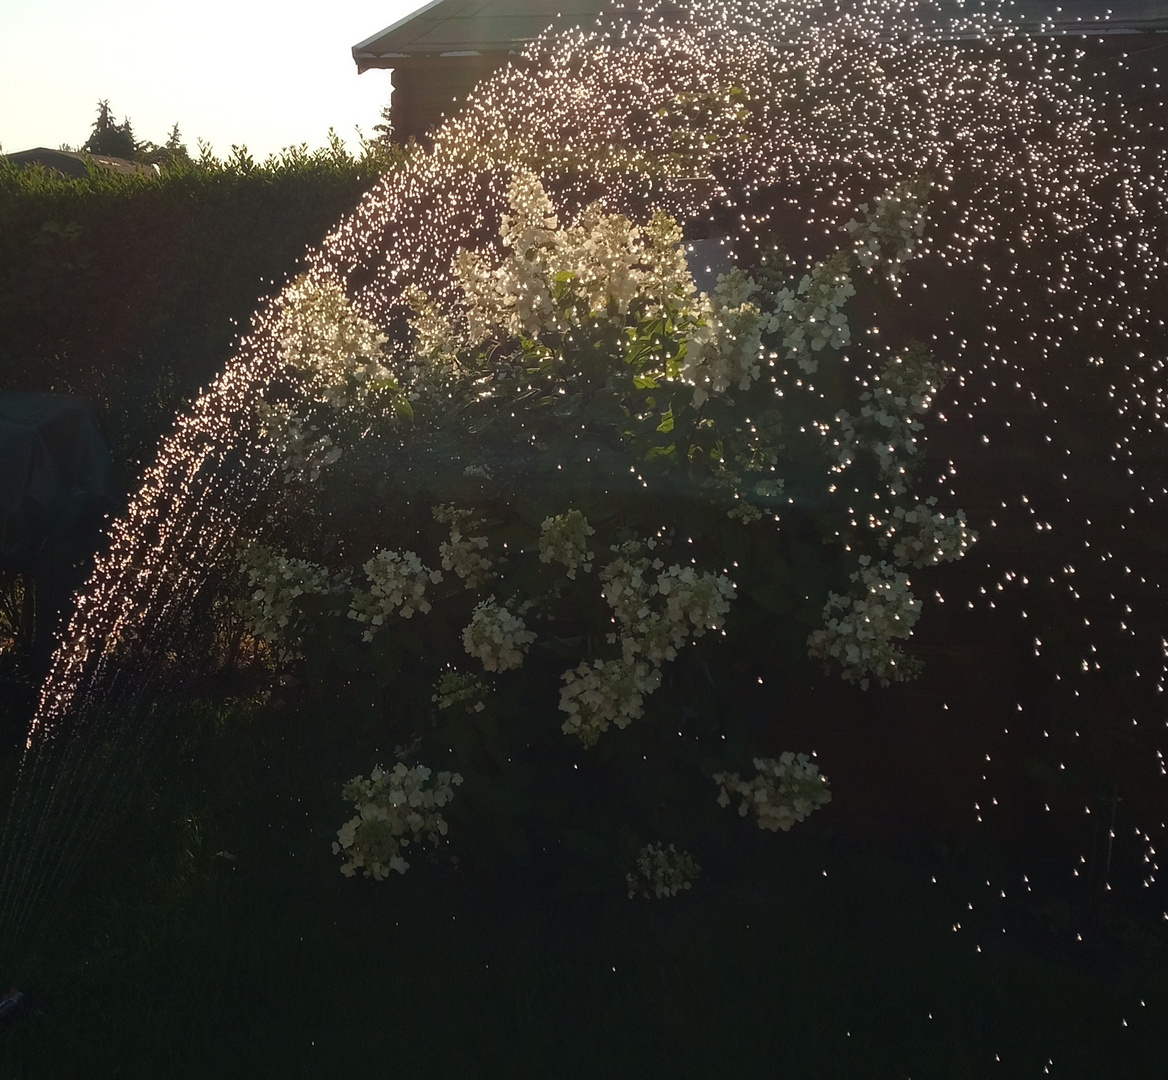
(110, 138)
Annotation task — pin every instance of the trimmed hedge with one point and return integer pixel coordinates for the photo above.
(131, 289)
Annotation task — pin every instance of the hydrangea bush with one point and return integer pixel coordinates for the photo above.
(520, 533)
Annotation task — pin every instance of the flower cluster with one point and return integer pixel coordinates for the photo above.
(890, 412)
(516, 296)
(397, 582)
(333, 348)
(606, 265)
(745, 512)
(662, 872)
(926, 537)
(887, 233)
(609, 268)
(275, 582)
(908, 382)
(496, 636)
(783, 792)
(624, 583)
(333, 358)
(725, 350)
(436, 341)
(462, 553)
(861, 631)
(564, 539)
(810, 316)
(459, 688)
(393, 808)
(607, 692)
(657, 608)
(694, 601)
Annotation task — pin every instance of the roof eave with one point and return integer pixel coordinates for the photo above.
(390, 61)
(366, 45)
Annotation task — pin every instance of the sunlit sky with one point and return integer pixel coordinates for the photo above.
(252, 72)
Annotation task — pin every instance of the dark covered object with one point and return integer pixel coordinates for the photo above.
(72, 164)
(55, 474)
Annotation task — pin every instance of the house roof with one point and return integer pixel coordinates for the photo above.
(1057, 17)
(72, 164)
(478, 27)
(471, 28)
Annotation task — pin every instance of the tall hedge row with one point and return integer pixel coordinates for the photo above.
(130, 289)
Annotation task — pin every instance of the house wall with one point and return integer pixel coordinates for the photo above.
(427, 89)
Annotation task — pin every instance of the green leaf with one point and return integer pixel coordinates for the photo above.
(666, 425)
(606, 407)
(569, 405)
(568, 648)
(644, 382)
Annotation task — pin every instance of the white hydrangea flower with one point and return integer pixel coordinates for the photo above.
(436, 341)
(393, 808)
(887, 233)
(783, 792)
(532, 222)
(658, 608)
(462, 553)
(770, 488)
(515, 297)
(909, 381)
(745, 512)
(861, 631)
(275, 581)
(606, 262)
(397, 582)
(496, 636)
(845, 440)
(624, 584)
(662, 872)
(334, 349)
(564, 539)
(889, 419)
(810, 316)
(925, 537)
(665, 274)
(605, 692)
(652, 637)
(726, 350)
(695, 601)
(603, 248)
(459, 688)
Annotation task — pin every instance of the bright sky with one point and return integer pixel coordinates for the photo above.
(252, 72)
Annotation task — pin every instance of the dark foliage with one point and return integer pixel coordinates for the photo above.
(130, 289)
(109, 138)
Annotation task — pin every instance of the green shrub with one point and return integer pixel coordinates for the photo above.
(129, 289)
